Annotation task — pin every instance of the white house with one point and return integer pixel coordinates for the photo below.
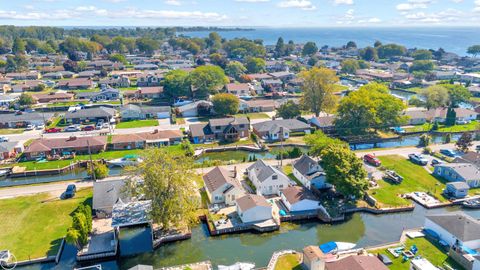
(222, 186)
(459, 172)
(310, 173)
(267, 179)
(253, 208)
(298, 199)
(456, 229)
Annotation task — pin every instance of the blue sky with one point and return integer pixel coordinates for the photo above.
(270, 13)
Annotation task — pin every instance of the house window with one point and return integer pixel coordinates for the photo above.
(274, 177)
(217, 127)
(242, 126)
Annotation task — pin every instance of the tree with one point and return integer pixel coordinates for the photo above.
(26, 99)
(214, 41)
(70, 65)
(318, 89)
(241, 48)
(345, 171)
(255, 65)
(235, 69)
(351, 45)
(73, 237)
(390, 50)
(416, 102)
(422, 55)
(369, 54)
(371, 107)
(310, 48)
(289, 110)
(425, 140)
(118, 57)
(176, 84)
(436, 96)
(19, 46)
(458, 94)
(187, 147)
(451, 117)
(465, 142)
(218, 59)
(79, 223)
(474, 50)
(99, 170)
(377, 44)
(318, 141)
(207, 80)
(280, 47)
(350, 66)
(166, 180)
(290, 47)
(422, 65)
(146, 45)
(225, 104)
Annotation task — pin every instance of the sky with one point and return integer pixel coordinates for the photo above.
(242, 13)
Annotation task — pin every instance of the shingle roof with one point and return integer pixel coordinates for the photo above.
(34, 116)
(356, 262)
(262, 170)
(304, 164)
(251, 200)
(199, 130)
(295, 194)
(466, 170)
(106, 193)
(91, 112)
(463, 227)
(228, 121)
(218, 177)
(290, 124)
(41, 145)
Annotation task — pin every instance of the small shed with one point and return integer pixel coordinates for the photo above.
(456, 190)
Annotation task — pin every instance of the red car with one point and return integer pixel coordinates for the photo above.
(53, 130)
(372, 160)
(88, 128)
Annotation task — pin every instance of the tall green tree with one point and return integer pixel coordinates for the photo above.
(225, 104)
(289, 110)
(26, 99)
(280, 47)
(458, 94)
(235, 69)
(422, 55)
(436, 96)
(465, 142)
(176, 84)
(474, 50)
(255, 65)
(310, 48)
(19, 46)
(319, 89)
(422, 66)
(167, 180)
(147, 45)
(369, 54)
(350, 66)
(207, 80)
(390, 50)
(318, 141)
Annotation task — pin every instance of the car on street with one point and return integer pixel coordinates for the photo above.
(70, 191)
(448, 152)
(71, 128)
(88, 128)
(40, 127)
(372, 160)
(30, 127)
(3, 139)
(418, 159)
(53, 130)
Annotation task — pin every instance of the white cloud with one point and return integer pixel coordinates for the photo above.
(29, 7)
(413, 4)
(301, 4)
(441, 17)
(173, 2)
(252, 1)
(347, 18)
(115, 1)
(477, 6)
(343, 2)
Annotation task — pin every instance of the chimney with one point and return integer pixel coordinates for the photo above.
(155, 131)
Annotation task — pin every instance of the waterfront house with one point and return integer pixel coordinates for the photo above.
(253, 208)
(90, 115)
(469, 157)
(77, 83)
(107, 193)
(267, 179)
(315, 259)
(455, 229)
(135, 112)
(192, 109)
(141, 140)
(225, 129)
(222, 186)
(418, 116)
(309, 173)
(459, 172)
(257, 105)
(22, 119)
(456, 190)
(103, 95)
(149, 92)
(149, 79)
(324, 123)
(238, 89)
(10, 149)
(42, 148)
(300, 199)
(275, 130)
(53, 97)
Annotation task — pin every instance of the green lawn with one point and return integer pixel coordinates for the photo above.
(11, 131)
(259, 115)
(132, 88)
(442, 128)
(415, 177)
(288, 170)
(427, 249)
(64, 104)
(138, 124)
(33, 226)
(289, 262)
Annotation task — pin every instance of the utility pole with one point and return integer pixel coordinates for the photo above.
(92, 166)
(281, 143)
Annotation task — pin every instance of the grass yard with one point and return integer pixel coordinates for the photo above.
(289, 262)
(8, 131)
(33, 226)
(427, 249)
(63, 104)
(415, 177)
(258, 115)
(442, 128)
(288, 170)
(138, 124)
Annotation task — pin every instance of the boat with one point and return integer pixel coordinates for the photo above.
(128, 160)
(472, 204)
(4, 173)
(181, 102)
(237, 266)
(334, 247)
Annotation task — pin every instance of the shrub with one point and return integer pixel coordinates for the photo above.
(100, 170)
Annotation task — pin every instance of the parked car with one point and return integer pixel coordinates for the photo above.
(462, 122)
(53, 130)
(105, 125)
(436, 161)
(3, 139)
(393, 176)
(71, 128)
(30, 127)
(418, 159)
(40, 127)
(448, 152)
(372, 160)
(88, 128)
(70, 191)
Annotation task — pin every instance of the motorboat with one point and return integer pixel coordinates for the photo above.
(181, 102)
(334, 247)
(472, 204)
(4, 173)
(128, 160)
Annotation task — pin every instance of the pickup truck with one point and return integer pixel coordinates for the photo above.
(418, 159)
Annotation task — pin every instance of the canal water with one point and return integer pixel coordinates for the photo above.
(360, 228)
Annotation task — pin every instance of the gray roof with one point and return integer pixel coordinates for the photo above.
(218, 177)
(199, 130)
(251, 200)
(466, 170)
(106, 193)
(470, 157)
(459, 185)
(33, 116)
(305, 164)
(262, 170)
(229, 121)
(91, 112)
(7, 146)
(463, 227)
(289, 124)
(149, 109)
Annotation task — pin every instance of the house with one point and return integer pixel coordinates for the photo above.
(90, 115)
(149, 79)
(146, 67)
(418, 116)
(114, 81)
(456, 190)
(29, 85)
(222, 186)
(52, 97)
(106, 193)
(21, 120)
(238, 89)
(273, 85)
(74, 84)
(455, 229)
(300, 199)
(42, 148)
(315, 259)
(310, 173)
(192, 109)
(149, 92)
(253, 208)
(141, 140)
(257, 105)
(267, 179)
(459, 172)
(275, 130)
(9, 150)
(421, 264)
(284, 76)
(20, 76)
(469, 157)
(7, 99)
(324, 123)
(103, 95)
(135, 112)
(226, 129)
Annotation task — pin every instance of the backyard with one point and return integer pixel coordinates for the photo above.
(415, 177)
(442, 128)
(137, 124)
(33, 226)
(426, 248)
(289, 262)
